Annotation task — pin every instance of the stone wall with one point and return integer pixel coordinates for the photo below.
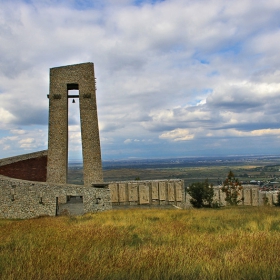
(251, 194)
(173, 192)
(32, 167)
(152, 193)
(20, 199)
(23, 199)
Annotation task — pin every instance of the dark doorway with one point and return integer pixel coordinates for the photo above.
(73, 206)
(56, 206)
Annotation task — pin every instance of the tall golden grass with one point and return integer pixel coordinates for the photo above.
(229, 243)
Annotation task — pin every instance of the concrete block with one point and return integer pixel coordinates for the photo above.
(114, 192)
(178, 190)
(144, 197)
(247, 196)
(255, 196)
(122, 193)
(132, 192)
(171, 191)
(162, 191)
(155, 194)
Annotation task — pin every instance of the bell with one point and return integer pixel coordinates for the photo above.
(73, 101)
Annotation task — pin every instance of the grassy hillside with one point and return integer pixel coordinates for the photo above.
(228, 243)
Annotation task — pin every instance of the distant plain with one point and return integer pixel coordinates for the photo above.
(215, 169)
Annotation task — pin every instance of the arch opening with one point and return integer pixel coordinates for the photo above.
(74, 136)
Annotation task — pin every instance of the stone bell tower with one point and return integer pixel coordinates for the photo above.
(63, 79)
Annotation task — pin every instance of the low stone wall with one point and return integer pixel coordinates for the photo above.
(20, 199)
(32, 167)
(251, 194)
(153, 193)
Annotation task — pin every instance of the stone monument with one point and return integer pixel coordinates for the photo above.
(62, 81)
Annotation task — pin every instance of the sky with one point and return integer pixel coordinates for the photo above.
(175, 78)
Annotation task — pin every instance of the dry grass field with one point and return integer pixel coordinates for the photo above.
(227, 243)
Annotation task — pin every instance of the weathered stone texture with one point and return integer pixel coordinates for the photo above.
(178, 190)
(162, 191)
(122, 193)
(171, 191)
(114, 193)
(21, 199)
(79, 76)
(247, 194)
(155, 195)
(156, 192)
(144, 197)
(255, 196)
(132, 192)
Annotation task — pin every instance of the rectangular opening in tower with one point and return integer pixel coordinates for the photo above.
(75, 165)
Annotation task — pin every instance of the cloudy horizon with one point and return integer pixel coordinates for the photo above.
(175, 78)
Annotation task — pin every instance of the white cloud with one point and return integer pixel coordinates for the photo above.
(127, 141)
(190, 134)
(178, 135)
(179, 70)
(75, 138)
(27, 141)
(6, 147)
(18, 131)
(6, 116)
(8, 139)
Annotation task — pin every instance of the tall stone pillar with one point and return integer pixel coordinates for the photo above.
(79, 77)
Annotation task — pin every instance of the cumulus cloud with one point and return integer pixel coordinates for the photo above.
(26, 143)
(23, 141)
(6, 116)
(178, 135)
(167, 71)
(127, 141)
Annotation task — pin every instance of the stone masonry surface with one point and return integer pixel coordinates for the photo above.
(172, 192)
(153, 193)
(62, 79)
(21, 199)
(27, 199)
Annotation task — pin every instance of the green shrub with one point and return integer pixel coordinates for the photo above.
(201, 194)
(232, 188)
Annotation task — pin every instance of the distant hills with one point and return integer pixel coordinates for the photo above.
(186, 162)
